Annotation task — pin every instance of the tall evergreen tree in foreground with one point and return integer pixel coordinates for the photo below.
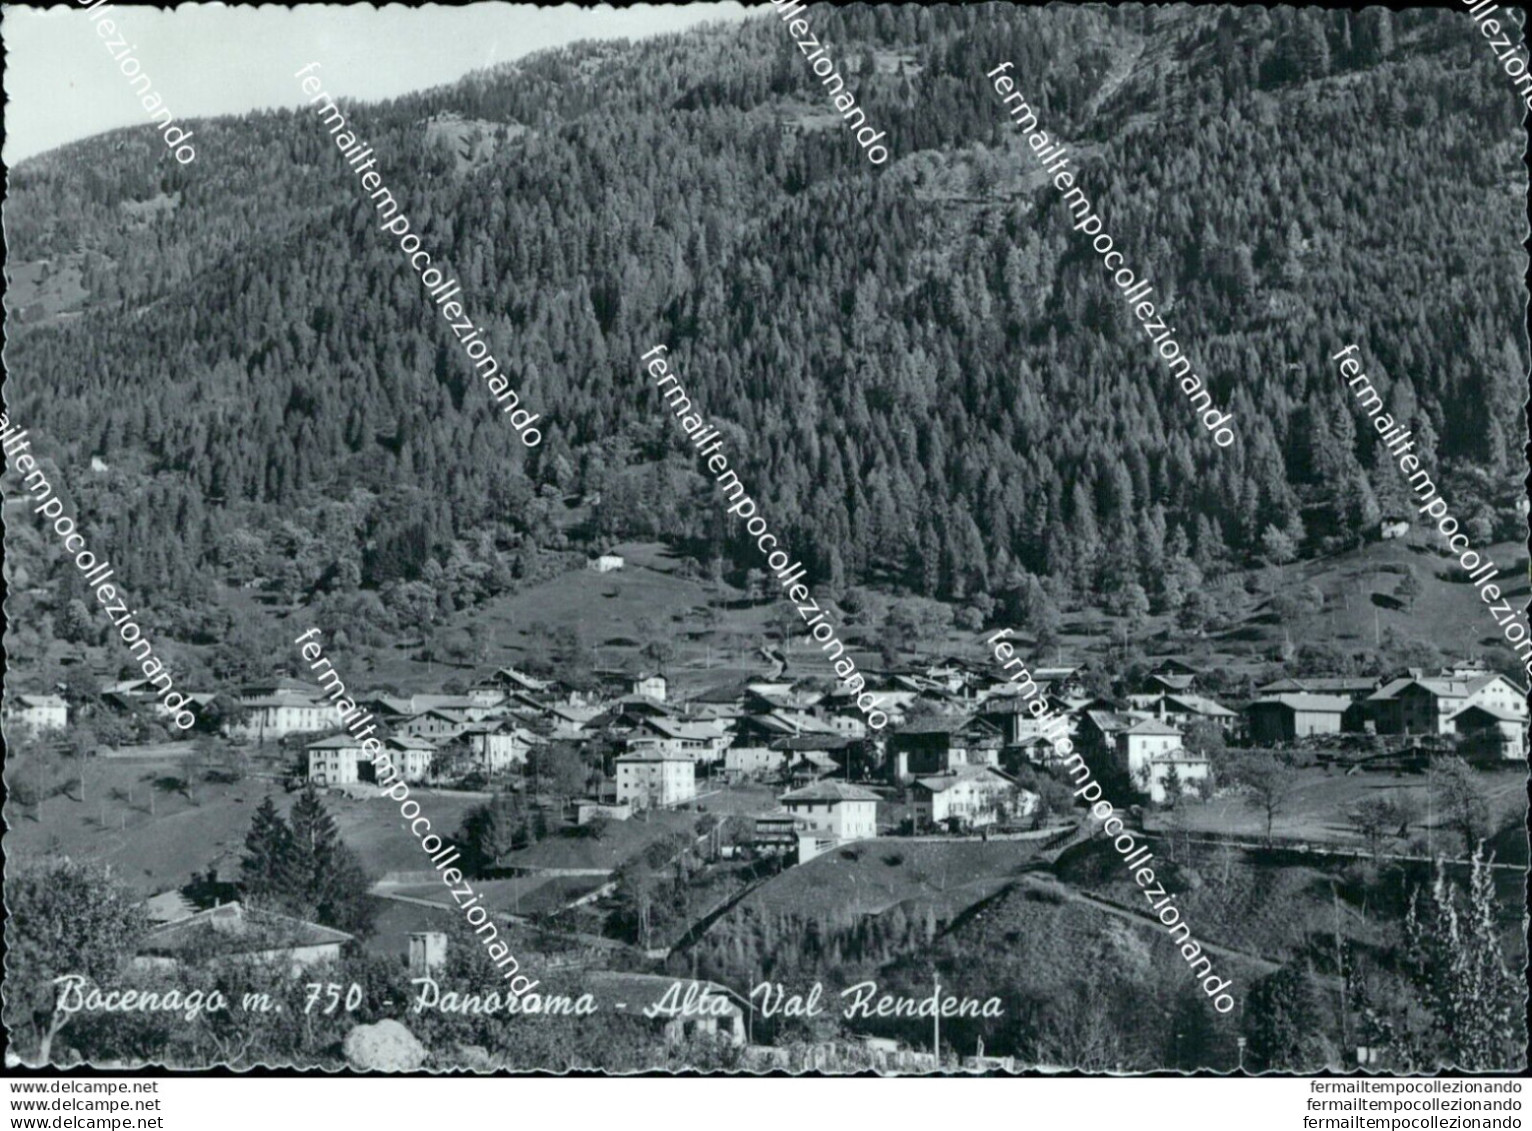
(301, 867)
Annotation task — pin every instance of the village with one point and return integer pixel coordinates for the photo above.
(759, 776)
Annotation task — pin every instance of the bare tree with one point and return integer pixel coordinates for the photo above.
(1372, 819)
(1458, 796)
(1271, 784)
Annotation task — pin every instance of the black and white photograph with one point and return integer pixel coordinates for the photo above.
(776, 540)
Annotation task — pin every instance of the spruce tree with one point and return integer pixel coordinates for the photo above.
(266, 871)
(328, 882)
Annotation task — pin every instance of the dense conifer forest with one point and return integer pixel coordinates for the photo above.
(925, 372)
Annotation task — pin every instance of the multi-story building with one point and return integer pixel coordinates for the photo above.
(273, 712)
(934, 746)
(40, 712)
(1147, 752)
(436, 723)
(1490, 732)
(410, 755)
(655, 781)
(338, 760)
(973, 796)
(1417, 704)
(701, 742)
(835, 809)
(497, 747)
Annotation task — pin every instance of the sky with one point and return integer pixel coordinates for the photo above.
(62, 83)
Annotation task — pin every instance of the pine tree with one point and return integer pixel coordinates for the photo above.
(328, 882)
(266, 871)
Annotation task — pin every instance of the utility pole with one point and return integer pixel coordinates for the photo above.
(1340, 968)
(936, 1019)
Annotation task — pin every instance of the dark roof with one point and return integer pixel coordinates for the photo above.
(1011, 704)
(945, 724)
(1153, 726)
(939, 783)
(830, 791)
(1333, 685)
(1109, 721)
(1326, 704)
(723, 693)
(810, 742)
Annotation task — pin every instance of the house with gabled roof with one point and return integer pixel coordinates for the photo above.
(498, 745)
(1150, 754)
(1016, 721)
(1289, 717)
(234, 930)
(40, 712)
(1418, 704)
(410, 755)
(652, 685)
(1098, 731)
(1184, 708)
(970, 796)
(629, 713)
(699, 741)
(274, 712)
(807, 766)
(511, 680)
(1352, 687)
(750, 753)
(1490, 732)
(649, 779)
(338, 760)
(1158, 683)
(436, 723)
(936, 745)
(1142, 741)
(834, 808)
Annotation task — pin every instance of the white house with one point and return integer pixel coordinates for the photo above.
(973, 795)
(606, 563)
(1190, 769)
(701, 742)
(498, 748)
(337, 760)
(1419, 704)
(652, 780)
(40, 712)
(1143, 741)
(754, 761)
(1148, 750)
(845, 812)
(233, 930)
(652, 685)
(410, 755)
(285, 711)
